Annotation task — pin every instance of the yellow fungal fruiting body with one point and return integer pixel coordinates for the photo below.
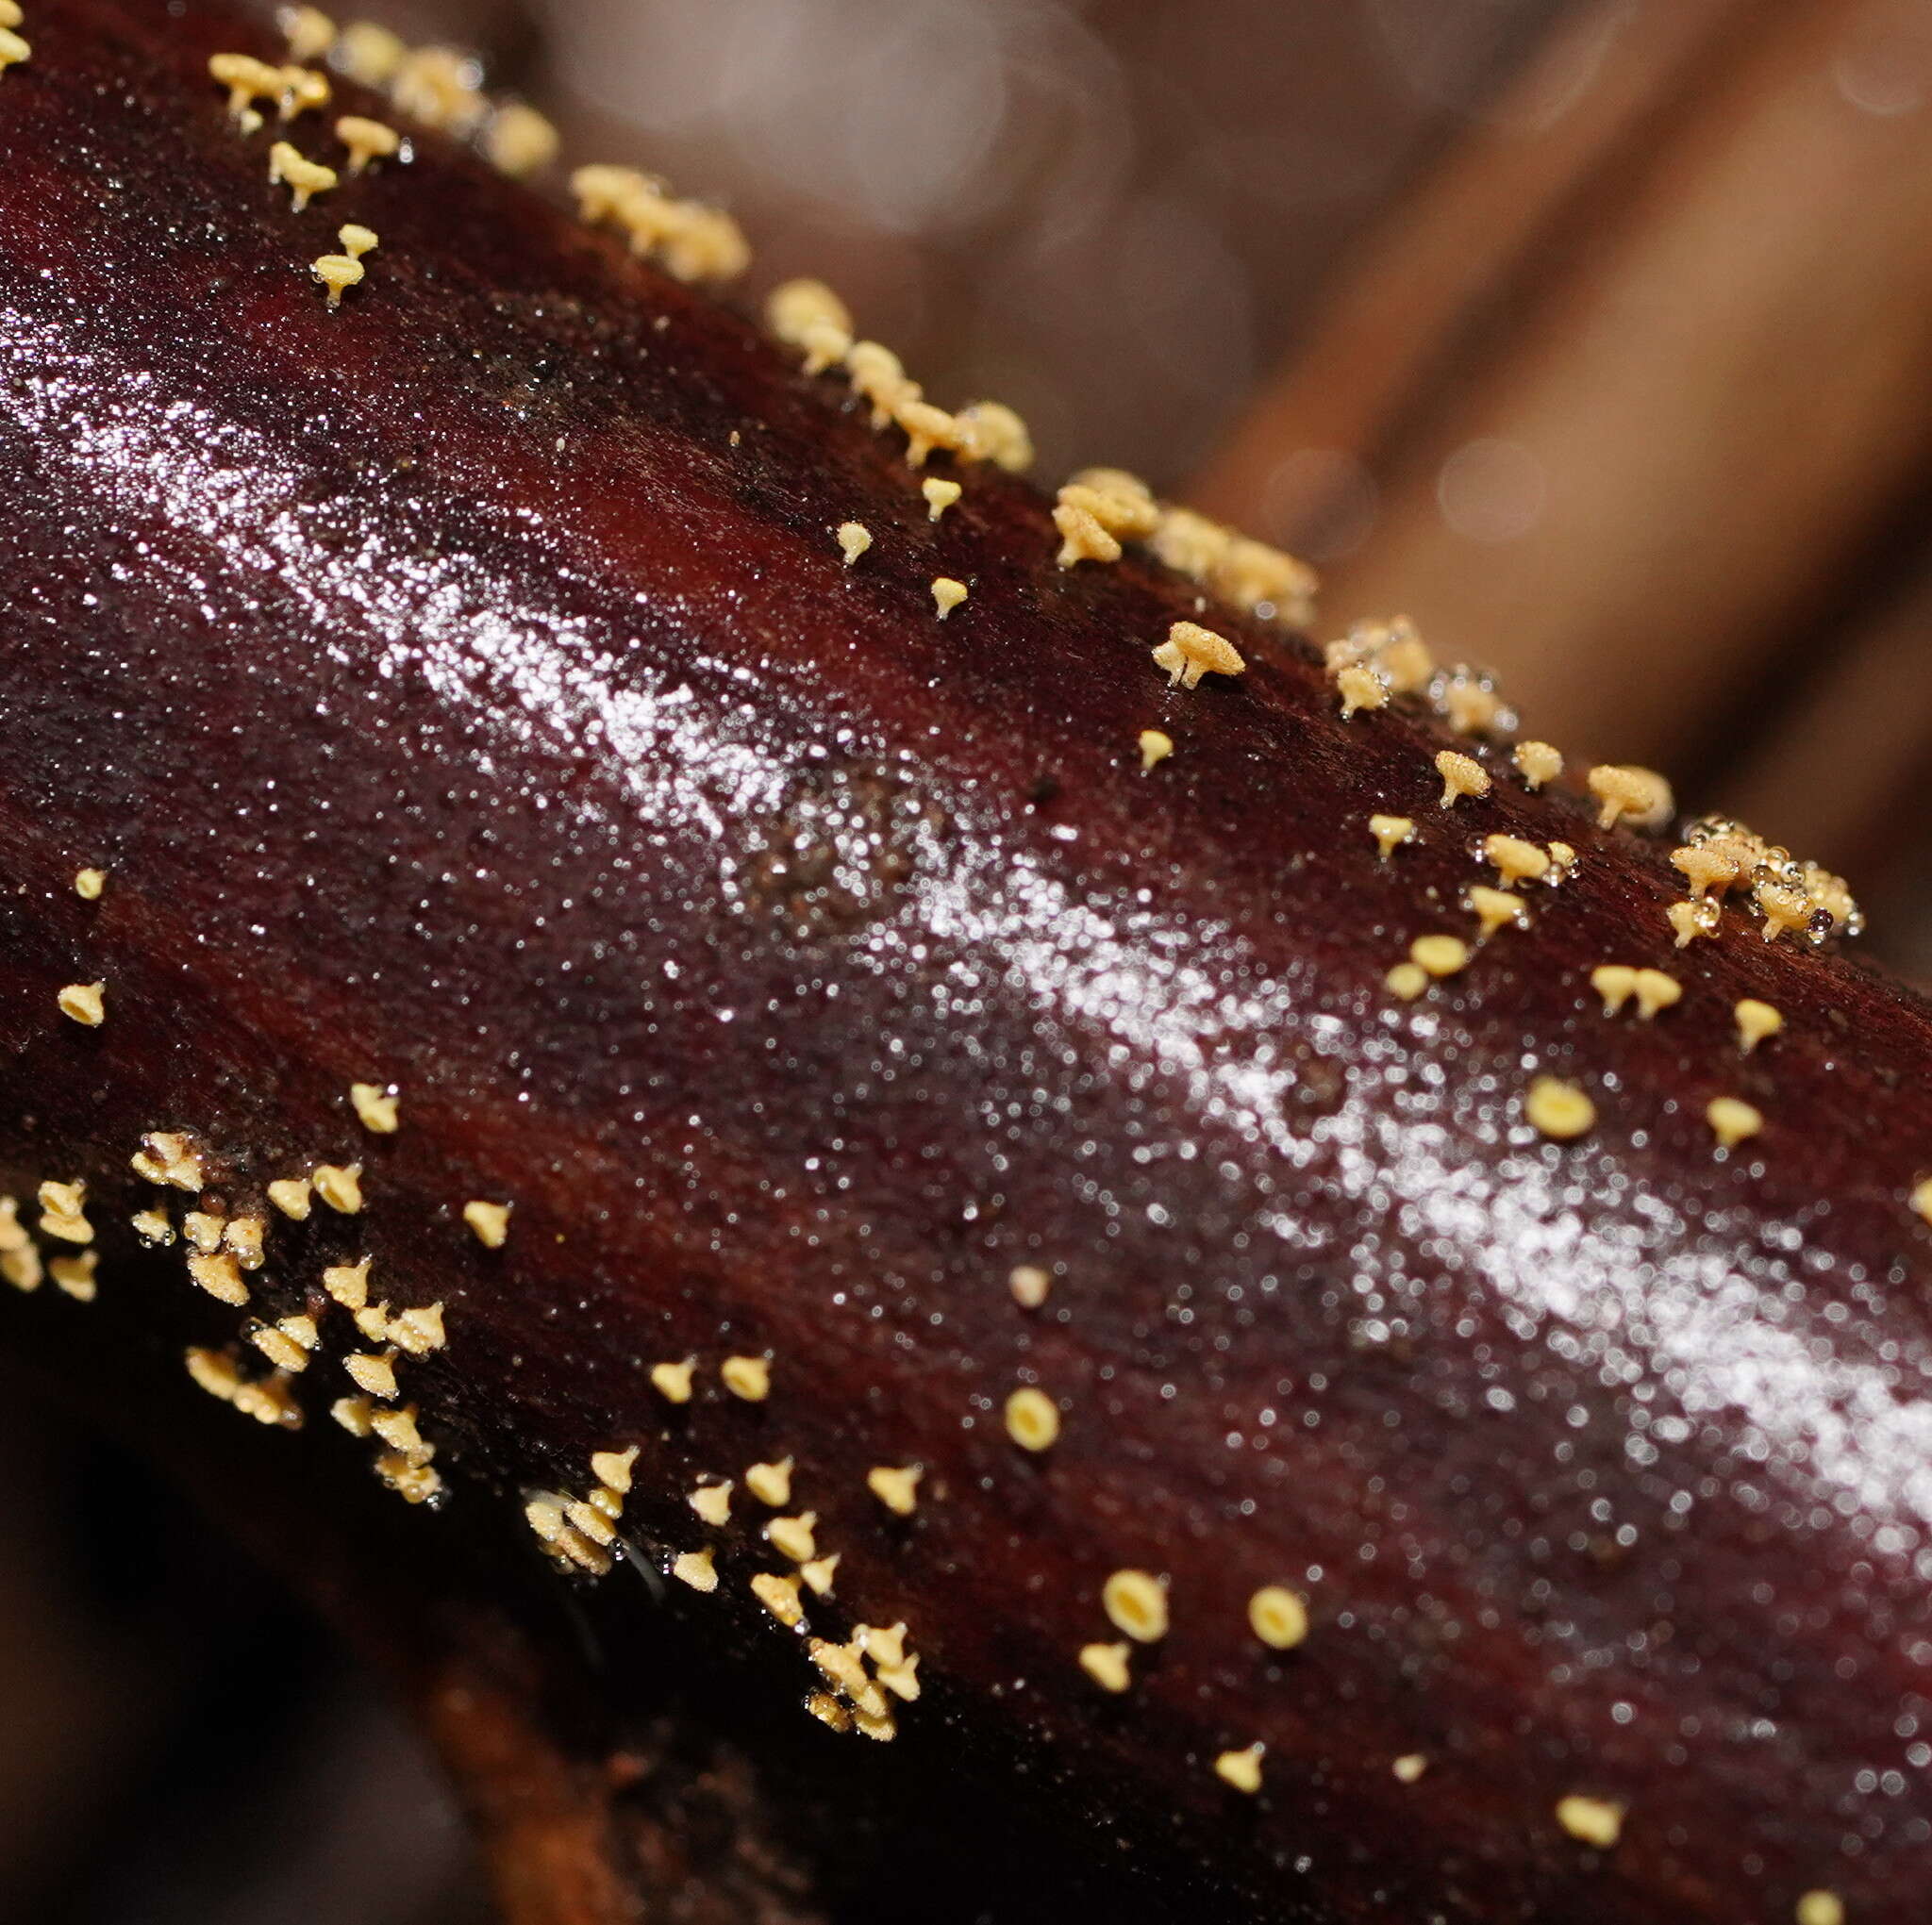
(1409, 1768)
(1390, 833)
(771, 1484)
(947, 594)
(21, 1266)
(1639, 796)
(926, 427)
(376, 1107)
(63, 1220)
(1121, 501)
(880, 376)
(1392, 650)
(13, 50)
(348, 1283)
(243, 1235)
(1756, 1023)
(220, 1275)
(939, 495)
(844, 1668)
(414, 1482)
(1732, 1120)
(779, 1596)
(520, 142)
(375, 1374)
(1082, 537)
(1655, 992)
(84, 1003)
(1708, 866)
(1462, 775)
(1591, 1820)
(1033, 1419)
(854, 540)
(1406, 980)
(1278, 1617)
(305, 178)
(711, 1502)
(1922, 1198)
(73, 1276)
(214, 1373)
(1438, 956)
(695, 1569)
(672, 1382)
(366, 139)
(397, 1429)
(488, 1222)
(1242, 1769)
(1615, 983)
(1191, 652)
(992, 432)
(1135, 1605)
(279, 1348)
(299, 89)
(368, 54)
(1361, 687)
(340, 1186)
(612, 193)
(808, 314)
(1157, 745)
(1466, 700)
(168, 1156)
(895, 1486)
(1495, 909)
(1690, 921)
(268, 1402)
(612, 1468)
(290, 1195)
(354, 1413)
(1106, 1665)
(1819, 1908)
(1029, 1285)
(1558, 1109)
(439, 87)
(247, 80)
(309, 32)
(1249, 573)
(701, 243)
(829, 1711)
(89, 882)
(1098, 509)
(747, 1377)
(792, 1537)
(418, 1330)
(1785, 908)
(1515, 860)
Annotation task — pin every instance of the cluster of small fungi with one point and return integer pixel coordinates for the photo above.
(437, 86)
(1377, 662)
(1095, 514)
(861, 1673)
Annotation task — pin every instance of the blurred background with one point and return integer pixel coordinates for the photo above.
(1594, 334)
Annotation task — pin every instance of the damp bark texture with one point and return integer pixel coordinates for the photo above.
(463, 691)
